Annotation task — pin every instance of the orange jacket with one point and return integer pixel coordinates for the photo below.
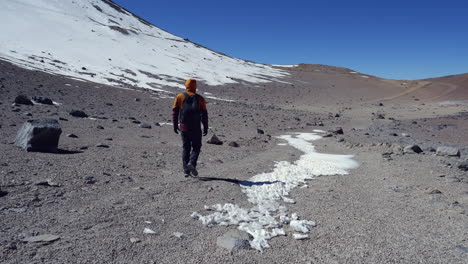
(191, 87)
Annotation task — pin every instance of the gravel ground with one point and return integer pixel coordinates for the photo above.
(394, 208)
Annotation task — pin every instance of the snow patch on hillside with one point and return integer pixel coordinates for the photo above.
(269, 193)
(96, 40)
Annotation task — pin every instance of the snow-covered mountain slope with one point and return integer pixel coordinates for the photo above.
(99, 41)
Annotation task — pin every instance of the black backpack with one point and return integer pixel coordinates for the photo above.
(191, 114)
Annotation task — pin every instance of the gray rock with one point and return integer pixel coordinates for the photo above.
(39, 135)
(259, 131)
(144, 125)
(234, 240)
(2, 193)
(233, 144)
(43, 100)
(337, 131)
(412, 149)
(100, 145)
(90, 180)
(136, 122)
(214, 140)
(463, 165)
(72, 136)
(100, 127)
(42, 238)
(23, 99)
(448, 151)
(78, 113)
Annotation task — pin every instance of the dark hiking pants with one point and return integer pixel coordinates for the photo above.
(191, 143)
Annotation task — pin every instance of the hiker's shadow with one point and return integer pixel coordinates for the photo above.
(242, 183)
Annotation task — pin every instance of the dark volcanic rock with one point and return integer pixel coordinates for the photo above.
(234, 144)
(78, 113)
(463, 165)
(23, 99)
(412, 149)
(214, 140)
(43, 100)
(144, 125)
(90, 180)
(39, 135)
(72, 136)
(337, 131)
(261, 132)
(2, 193)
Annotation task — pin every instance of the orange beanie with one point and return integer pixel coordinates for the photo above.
(191, 85)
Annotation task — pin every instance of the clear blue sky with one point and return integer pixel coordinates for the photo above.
(392, 39)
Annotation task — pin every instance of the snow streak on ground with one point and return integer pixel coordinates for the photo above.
(99, 41)
(269, 217)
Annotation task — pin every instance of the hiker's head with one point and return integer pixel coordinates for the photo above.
(191, 85)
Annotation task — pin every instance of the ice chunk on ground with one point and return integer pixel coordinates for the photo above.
(269, 191)
(300, 236)
(148, 231)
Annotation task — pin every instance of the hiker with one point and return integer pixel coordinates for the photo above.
(188, 113)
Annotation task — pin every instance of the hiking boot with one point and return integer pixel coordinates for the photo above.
(192, 169)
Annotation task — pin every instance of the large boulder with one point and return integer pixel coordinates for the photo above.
(448, 151)
(39, 135)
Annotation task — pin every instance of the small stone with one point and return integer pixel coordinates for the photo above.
(136, 122)
(393, 134)
(214, 140)
(144, 125)
(43, 100)
(380, 116)
(233, 144)
(3, 193)
(435, 192)
(42, 238)
(137, 99)
(337, 131)
(78, 113)
(90, 180)
(463, 165)
(47, 182)
(109, 139)
(63, 119)
(404, 135)
(72, 136)
(100, 145)
(134, 240)
(259, 131)
(178, 235)
(412, 149)
(100, 127)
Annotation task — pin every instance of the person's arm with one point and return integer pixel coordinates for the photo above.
(204, 115)
(175, 112)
